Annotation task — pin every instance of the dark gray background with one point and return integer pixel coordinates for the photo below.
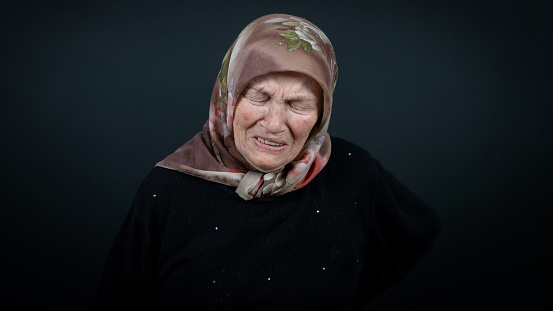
(452, 96)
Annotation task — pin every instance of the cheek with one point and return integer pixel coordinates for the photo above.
(238, 116)
(304, 125)
(242, 121)
(246, 115)
(245, 118)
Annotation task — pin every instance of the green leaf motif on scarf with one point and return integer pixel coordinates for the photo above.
(289, 35)
(293, 42)
(307, 46)
(293, 45)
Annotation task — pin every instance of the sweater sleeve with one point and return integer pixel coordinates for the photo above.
(127, 282)
(403, 230)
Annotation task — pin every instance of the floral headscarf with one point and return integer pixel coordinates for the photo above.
(270, 44)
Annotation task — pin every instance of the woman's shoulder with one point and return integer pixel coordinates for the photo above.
(162, 180)
(350, 154)
(164, 188)
(163, 176)
(343, 146)
(350, 163)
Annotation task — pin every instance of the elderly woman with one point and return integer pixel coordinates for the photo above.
(253, 213)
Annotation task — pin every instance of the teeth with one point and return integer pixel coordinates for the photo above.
(270, 143)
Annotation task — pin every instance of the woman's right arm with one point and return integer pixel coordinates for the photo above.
(128, 278)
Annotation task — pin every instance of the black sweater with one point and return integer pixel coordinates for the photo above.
(191, 244)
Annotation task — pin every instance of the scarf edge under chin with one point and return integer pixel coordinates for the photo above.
(253, 184)
(227, 178)
(248, 185)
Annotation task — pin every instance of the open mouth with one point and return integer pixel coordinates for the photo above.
(268, 142)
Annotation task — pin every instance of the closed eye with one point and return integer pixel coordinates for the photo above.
(301, 105)
(256, 95)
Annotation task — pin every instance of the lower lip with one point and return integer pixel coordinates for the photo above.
(268, 147)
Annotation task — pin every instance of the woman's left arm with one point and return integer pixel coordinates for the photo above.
(404, 228)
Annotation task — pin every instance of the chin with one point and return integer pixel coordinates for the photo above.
(266, 168)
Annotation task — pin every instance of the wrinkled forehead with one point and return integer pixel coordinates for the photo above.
(286, 82)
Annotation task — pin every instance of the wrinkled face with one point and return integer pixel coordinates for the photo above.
(274, 117)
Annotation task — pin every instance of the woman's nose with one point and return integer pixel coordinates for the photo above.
(275, 118)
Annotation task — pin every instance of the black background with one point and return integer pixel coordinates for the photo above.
(452, 96)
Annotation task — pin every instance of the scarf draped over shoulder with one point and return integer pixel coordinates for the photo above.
(270, 44)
